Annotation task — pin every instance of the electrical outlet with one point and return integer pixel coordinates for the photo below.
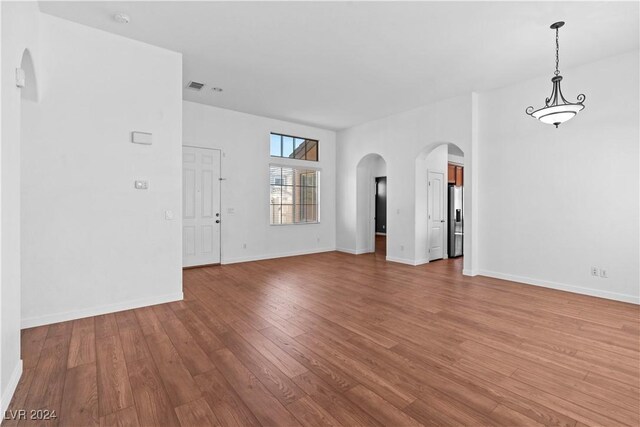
(141, 185)
(401, 247)
(603, 273)
(244, 246)
(594, 271)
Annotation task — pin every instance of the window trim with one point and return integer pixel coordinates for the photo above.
(318, 171)
(295, 137)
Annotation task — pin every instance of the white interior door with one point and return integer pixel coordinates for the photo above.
(435, 208)
(200, 206)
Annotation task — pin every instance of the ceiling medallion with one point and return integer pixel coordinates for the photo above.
(557, 109)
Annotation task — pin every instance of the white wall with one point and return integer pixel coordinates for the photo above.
(555, 202)
(400, 139)
(19, 32)
(244, 140)
(91, 243)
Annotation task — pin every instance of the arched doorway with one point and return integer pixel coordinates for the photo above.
(440, 209)
(371, 205)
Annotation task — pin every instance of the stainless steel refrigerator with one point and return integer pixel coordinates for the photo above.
(456, 222)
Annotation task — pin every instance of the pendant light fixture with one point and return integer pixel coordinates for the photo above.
(557, 109)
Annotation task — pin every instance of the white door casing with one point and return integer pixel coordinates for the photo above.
(372, 215)
(436, 214)
(200, 206)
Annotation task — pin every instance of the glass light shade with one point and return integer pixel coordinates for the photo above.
(557, 114)
(557, 109)
(554, 118)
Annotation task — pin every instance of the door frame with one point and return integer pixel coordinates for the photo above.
(372, 217)
(444, 215)
(219, 192)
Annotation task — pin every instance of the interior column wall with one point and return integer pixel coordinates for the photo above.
(91, 242)
(368, 169)
(398, 139)
(19, 29)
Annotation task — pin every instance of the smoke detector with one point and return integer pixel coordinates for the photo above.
(121, 18)
(195, 85)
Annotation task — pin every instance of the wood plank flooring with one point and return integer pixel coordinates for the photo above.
(334, 339)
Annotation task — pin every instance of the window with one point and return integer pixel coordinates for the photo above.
(294, 195)
(293, 147)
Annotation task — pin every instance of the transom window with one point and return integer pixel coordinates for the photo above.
(294, 195)
(293, 147)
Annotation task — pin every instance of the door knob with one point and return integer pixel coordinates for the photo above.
(217, 213)
(217, 221)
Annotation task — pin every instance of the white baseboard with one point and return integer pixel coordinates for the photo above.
(405, 261)
(365, 251)
(96, 311)
(272, 256)
(355, 251)
(413, 262)
(562, 287)
(7, 393)
(388, 258)
(348, 251)
(466, 272)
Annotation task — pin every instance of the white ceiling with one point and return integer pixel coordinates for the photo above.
(338, 64)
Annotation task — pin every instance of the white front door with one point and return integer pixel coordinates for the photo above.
(200, 206)
(435, 208)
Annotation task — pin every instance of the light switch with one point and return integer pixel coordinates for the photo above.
(168, 215)
(141, 185)
(231, 211)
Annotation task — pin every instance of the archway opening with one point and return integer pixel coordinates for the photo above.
(440, 209)
(371, 205)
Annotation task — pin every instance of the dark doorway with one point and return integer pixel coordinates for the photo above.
(381, 205)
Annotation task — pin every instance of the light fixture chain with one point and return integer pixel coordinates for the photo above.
(557, 53)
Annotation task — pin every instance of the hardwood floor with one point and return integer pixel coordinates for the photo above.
(381, 246)
(335, 339)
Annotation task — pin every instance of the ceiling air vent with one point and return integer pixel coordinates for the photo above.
(195, 85)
